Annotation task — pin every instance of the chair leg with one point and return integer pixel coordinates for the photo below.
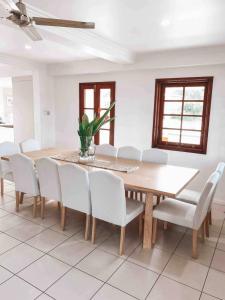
(203, 232)
(165, 225)
(93, 234)
(194, 243)
(2, 186)
(21, 197)
(154, 233)
(17, 201)
(158, 199)
(42, 207)
(210, 217)
(122, 240)
(63, 217)
(207, 226)
(87, 227)
(141, 225)
(35, 207)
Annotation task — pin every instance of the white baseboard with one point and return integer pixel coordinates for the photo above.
(219, 201)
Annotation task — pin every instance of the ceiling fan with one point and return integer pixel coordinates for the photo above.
(18, 15)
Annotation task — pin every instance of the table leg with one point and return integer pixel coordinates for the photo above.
(147, 240)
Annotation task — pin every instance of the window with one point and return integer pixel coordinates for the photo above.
(181, 114)
(95, 98)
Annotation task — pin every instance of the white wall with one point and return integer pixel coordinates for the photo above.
(134, 114)
(23, 113)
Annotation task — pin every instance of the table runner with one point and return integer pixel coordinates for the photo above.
(97, 163)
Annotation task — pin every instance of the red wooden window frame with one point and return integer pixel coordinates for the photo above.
(160, 86)
(97, 86)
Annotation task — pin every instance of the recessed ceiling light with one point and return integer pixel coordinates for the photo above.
(165, 23)
(28, 47)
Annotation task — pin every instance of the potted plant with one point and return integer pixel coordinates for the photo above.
(88, 129)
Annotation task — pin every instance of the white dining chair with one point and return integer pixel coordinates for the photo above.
(48, 174)
(6, 149)
(25, 178)
(186, 214)
(109, 203)
(30, 145)
(155, 156)
(129, 152)
(106, 149)
(75, 191)
(192, 196)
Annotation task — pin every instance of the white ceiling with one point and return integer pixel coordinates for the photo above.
(133, 25)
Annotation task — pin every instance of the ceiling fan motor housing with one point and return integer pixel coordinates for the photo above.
(22, 8)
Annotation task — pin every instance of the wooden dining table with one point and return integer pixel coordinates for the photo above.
(152, 179)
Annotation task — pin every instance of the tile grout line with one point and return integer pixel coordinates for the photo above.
(160, 274)
(213, 257)
(47, 253)
(74, 267)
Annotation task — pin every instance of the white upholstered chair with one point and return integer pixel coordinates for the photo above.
(186, 214)
(106, 149)
(75, 192)
(25, 178)
(155, 156)
(192, 196)
(6, 149)
(30, 145)
(129, 152)
(48, 175)
(109, 203)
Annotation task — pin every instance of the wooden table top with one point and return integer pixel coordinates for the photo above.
(160, 179)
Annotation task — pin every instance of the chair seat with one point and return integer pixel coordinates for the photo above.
(176, 212)
(134, 208)
(9, 176)
(189, 196)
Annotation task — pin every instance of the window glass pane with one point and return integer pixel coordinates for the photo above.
(107, 125)
(191, 137)
(192, 123)
(193, 108)
(105, 98)
(104, 137)
(194, 93)
(172, 107)
(169, 135)
(171, 122)
(173, 93)
(89, 113)
(89, 98)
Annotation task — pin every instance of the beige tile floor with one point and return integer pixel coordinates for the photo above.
(39, 261)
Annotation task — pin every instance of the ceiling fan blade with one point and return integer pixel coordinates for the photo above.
(63, 23)
(31, 31)
(9, 5)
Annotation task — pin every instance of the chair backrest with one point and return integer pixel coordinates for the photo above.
(24, 174)
(129, 152)
(106, 149)
(205, 199)
(220, 168)
(75, 191)
(30, 145)
(107, 197)
(48, 175)
(7, 149)
(155, 156)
